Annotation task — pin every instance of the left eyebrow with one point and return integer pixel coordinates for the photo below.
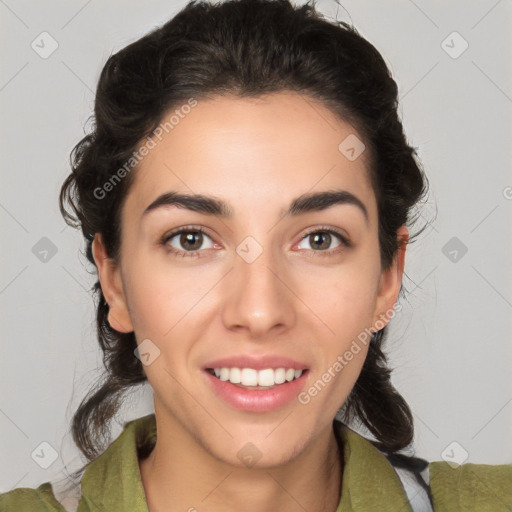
(212, 206)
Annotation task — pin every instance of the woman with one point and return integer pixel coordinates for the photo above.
(246, 199)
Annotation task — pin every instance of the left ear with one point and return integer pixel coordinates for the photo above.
(391, 281)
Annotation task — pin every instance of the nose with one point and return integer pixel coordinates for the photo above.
(258, 298)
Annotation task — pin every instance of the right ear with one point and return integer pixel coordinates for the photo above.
(111, 282)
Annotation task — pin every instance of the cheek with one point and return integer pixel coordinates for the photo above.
(344, 300)
(350, 319)
(160, 298)
(345, 305)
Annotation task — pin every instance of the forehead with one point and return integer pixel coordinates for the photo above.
(254, 151)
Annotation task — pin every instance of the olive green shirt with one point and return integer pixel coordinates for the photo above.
(112, 482)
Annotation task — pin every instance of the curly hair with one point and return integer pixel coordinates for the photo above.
(245, 48)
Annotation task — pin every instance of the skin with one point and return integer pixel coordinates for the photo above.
(256, 154)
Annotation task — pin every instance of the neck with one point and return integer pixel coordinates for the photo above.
(180, 475)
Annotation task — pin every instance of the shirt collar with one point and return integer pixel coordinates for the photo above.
(113, 483)
(369, 482)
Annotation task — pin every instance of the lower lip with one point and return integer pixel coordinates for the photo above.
(254, 400)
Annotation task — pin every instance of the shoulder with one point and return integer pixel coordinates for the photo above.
(25, 499)
(448, 487)
(471, 487)
(112, 479)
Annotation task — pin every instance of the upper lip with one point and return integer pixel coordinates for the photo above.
(257, 362)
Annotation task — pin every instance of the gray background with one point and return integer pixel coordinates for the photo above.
(451, 344)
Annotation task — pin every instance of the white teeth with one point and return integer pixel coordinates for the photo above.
(235, 375)
(250, 377)
(279, 375)
(290, 374)
(266, 377)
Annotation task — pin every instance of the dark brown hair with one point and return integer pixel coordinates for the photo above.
(245, 48)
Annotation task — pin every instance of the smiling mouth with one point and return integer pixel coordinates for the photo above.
(249, 378)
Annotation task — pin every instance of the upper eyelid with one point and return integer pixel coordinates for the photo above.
(336, 231)
(173, 232)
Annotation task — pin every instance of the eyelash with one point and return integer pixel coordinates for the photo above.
(196, 229)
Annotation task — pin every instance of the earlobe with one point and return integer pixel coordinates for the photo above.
(109, 276)
(391, 281)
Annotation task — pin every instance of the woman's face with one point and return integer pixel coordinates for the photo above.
(253, 289)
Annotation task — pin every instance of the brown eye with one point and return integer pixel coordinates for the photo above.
(321, 240)
(191, 240)
(186, 241)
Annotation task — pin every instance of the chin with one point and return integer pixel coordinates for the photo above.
(259, 451)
